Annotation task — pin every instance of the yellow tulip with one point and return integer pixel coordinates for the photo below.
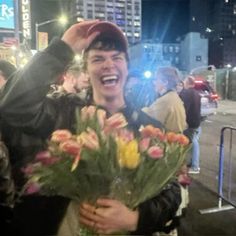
(127, 153)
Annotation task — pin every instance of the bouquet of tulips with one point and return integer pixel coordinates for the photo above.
(105, 158)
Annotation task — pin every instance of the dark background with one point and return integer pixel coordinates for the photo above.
(164, 20)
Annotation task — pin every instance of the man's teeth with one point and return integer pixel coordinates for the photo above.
(111, 77)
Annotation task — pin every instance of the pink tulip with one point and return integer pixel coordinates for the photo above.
(32, 188)
(45, 158)
(91, 111)
(71, 147)
(89, 139)
(116, 121)
(28, 170)
(161, 136)
(144, 144)
(125, 135)
(61, 135)
(101, 115)
(155, 152)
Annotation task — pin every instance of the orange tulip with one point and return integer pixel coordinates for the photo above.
(182, 139)
(149, 131)
(171, 137)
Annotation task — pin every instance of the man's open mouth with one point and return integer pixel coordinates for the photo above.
(110, 80)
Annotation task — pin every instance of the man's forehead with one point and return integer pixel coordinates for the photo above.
(98, 52)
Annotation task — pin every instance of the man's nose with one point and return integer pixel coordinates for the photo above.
(108, 63)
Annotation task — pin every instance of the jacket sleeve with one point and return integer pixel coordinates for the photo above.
(23, 102)
(154, 214)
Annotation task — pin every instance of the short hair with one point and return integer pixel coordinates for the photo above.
(7, 69)
(74, 69)
(169, 75)
(105, 43)
(190, 80)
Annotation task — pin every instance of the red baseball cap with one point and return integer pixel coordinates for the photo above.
(110, 30)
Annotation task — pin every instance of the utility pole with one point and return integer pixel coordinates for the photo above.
(17, 29)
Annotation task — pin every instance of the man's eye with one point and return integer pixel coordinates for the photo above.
(95, 60)
(118, 58)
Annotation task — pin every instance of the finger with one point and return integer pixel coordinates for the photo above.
(87, 23)
(87, 222)
(86, 213)
(106, 202)
(101, 226)
(88, 207)
(90, 216)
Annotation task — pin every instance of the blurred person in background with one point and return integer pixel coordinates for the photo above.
(192, 104)
(139, 91)
(168, 108)
(74, 80)
(7, 186)
(6, 71)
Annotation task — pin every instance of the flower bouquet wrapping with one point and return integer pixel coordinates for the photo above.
(105, 158)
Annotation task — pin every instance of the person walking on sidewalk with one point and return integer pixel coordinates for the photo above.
(192, 104)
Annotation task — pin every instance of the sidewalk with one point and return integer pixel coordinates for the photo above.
(220, 223)
(227, 107)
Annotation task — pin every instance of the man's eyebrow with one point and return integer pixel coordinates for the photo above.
(117, 53)
(102, 56)
(96, 56)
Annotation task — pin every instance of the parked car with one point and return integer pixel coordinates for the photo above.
(209, 98)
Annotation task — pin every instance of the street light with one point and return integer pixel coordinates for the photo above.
(63, 20)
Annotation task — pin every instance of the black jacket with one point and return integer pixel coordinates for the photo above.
(192, 105)
(25, 105)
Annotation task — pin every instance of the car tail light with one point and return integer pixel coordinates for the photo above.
(198, 82)
(214, 96)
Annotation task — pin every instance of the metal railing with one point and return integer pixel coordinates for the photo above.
(226, 179)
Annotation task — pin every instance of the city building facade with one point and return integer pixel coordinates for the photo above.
(125, 13)
(222, 21)
(147, 56)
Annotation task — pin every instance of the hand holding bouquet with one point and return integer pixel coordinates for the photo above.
(105, 158)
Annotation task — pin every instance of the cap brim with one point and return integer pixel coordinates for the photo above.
(108, 29)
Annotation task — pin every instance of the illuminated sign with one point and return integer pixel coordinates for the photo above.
(25, 17)
(7, 14)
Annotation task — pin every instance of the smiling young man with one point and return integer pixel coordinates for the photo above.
(24, 104)
(107, 70)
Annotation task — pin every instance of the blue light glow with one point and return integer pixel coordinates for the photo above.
(147, 74)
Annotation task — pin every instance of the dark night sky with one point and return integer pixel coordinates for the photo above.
(163, 20)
